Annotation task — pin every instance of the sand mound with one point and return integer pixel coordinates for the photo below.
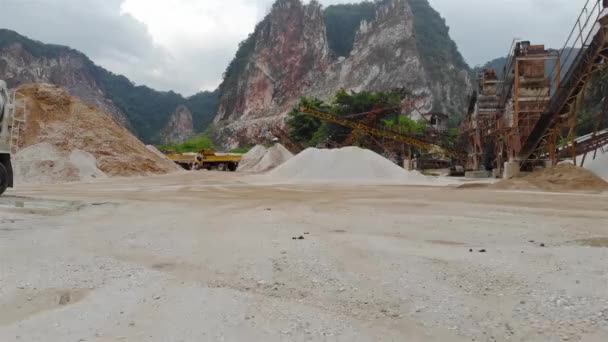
(346, 165)
(252, 157)
(44, 163)
(67, 124)
(260, 159)
(562, 178)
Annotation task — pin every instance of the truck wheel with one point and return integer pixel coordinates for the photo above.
(233, 166)
(221, 167)
(3, 179)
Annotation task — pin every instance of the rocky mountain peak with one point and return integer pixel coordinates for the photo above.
(179, 128)
(396, 44)
(288, 56)
(286, 53)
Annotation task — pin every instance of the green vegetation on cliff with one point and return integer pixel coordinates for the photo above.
(148, 110)
(433, 38)
(201, 142)
(343, 22)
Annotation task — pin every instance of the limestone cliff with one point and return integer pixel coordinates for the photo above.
(288, 56)
(179, 128)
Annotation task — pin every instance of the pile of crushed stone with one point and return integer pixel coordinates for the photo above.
(261, 159)
(347, 165)
(563, 178)
(77, 137)
(43, 163)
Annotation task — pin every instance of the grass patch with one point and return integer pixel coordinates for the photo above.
(241, 150)
(201, 142)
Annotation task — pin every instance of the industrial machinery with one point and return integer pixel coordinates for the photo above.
(456, 159)
(207, 160)
(6, 115)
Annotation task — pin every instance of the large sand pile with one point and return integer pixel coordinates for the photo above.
(562, 178)
(260, 159)
(347, 165)
(68, 125)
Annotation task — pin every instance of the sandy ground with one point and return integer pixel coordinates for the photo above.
(207, 257)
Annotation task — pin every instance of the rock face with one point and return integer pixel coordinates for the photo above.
(288, 54)
(179, 128)
(67, 69)
(288, 57)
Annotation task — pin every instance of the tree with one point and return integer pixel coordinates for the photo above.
(310, 131)
(302, 127)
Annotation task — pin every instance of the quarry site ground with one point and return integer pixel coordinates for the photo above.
(211, 257)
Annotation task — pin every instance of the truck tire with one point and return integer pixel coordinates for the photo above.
(3, 179)
(233, 166)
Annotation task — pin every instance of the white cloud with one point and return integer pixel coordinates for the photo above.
(484, 29)
(185, 45)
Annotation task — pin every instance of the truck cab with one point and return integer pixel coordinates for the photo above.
(6, 112)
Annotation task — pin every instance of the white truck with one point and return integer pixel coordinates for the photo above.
(6, 113)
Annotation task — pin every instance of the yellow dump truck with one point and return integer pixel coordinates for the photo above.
(207, 160)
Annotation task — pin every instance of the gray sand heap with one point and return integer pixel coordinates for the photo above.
(347, 165)
(260, 159)
(44, 163)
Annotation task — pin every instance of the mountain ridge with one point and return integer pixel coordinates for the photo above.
(143, 110)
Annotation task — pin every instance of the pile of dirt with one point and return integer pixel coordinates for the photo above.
(346, 165)
(64, 125)
(260, 159)
(562, 178)
(156, 151)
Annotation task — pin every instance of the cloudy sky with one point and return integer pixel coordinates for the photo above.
(185, 45)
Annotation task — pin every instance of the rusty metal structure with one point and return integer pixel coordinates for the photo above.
(520, 119)
(560, 118)
(524, 96)
(481, 121)
(381, 133)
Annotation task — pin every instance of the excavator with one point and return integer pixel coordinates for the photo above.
(6, 113)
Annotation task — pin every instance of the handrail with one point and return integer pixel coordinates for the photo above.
(567, 50)
(572, 54)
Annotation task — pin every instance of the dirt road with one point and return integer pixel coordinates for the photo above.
(210, 257)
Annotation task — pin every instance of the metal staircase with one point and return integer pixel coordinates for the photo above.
(18, 113)
(587, 50)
